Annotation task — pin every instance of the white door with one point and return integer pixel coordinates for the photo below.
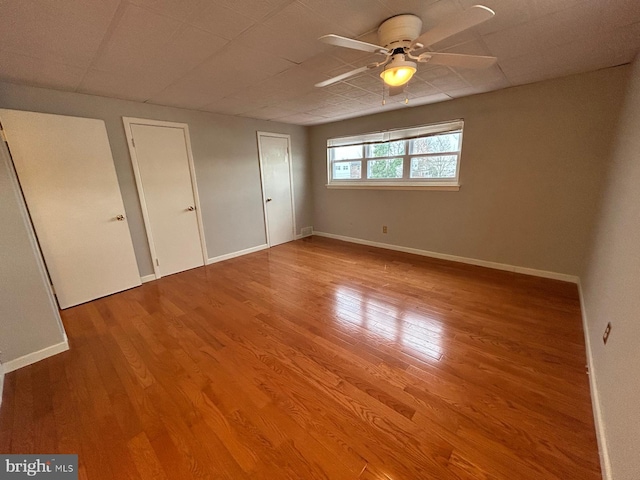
(67, 174)
(275, 163)
(162, 161)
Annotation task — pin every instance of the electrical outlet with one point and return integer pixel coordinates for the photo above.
(384, 229)
(607, 331)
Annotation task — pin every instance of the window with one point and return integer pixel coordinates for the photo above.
(418, 157)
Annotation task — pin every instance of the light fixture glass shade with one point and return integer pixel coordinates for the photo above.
(398, 73)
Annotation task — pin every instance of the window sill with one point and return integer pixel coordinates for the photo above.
(451, 187)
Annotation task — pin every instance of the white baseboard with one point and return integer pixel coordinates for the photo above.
(239, 253)
(603, 450)
(454, 258)
(148, 278)
(34, 357)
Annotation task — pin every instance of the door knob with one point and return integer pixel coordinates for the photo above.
(269, 199)
(191, 208)
(120, 218)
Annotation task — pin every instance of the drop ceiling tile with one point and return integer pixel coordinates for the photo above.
(438, 12)
(221, 21)
(538, 8)
(473, 47)
(256, 10)
(323, 63)
(257, 67)
(581, 22)
(370, 81)
(302, 119)
(339, 88)
(509, 13)
(329, 111)
(188, 48)
(420, 88)
(197, 91)
(178, 9)
(445, 79)
(576, 57)
(479, 77)
(317, 99)
(300, 22)
(260, 39)
(67, 32)
(355, 93)
(228, 106)
(417, 7)
(21, 69)
(355, 16)
(211, 80)
(240, 102)
(432, 72)
(139, 35)
(127, 84)
(268, 113)
(292, 105)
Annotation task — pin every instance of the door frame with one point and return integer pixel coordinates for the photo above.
(260, 134)
(128, 122)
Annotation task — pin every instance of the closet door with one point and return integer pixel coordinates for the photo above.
(67, 175)
(161, 156)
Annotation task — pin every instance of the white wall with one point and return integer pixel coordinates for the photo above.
(225, 155)
(533, 162)
(611, 293)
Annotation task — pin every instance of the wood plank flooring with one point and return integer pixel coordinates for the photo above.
(317, 359)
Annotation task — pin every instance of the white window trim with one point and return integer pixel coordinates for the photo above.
(405, 183)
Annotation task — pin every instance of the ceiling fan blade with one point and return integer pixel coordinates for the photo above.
(397, 90)
(458, 23)
(458, 60)
(345, 42)
(344, 76)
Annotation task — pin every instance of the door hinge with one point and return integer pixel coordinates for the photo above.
(157, 262)
(133, 142)
(2, 134)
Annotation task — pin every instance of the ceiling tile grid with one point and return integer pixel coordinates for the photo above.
(261, 58)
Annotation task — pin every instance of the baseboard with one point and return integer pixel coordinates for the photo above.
(454, 258)
(34, 357)
(603, 450)
(148, 278)
(239, 253)
(1, 382)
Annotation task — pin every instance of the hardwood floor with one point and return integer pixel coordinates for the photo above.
(317, 359)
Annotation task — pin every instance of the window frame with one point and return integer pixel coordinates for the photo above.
(388, 136)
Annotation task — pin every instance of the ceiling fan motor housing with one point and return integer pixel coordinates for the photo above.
(399, 31)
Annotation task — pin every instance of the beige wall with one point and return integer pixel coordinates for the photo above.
(225, 156)
(533, 160)
(29, 319)
(611, 293)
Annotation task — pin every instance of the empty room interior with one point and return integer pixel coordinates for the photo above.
(320, 239)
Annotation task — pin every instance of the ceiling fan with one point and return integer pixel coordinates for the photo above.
(404, 47)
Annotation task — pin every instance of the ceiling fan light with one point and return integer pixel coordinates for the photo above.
(398, 73)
